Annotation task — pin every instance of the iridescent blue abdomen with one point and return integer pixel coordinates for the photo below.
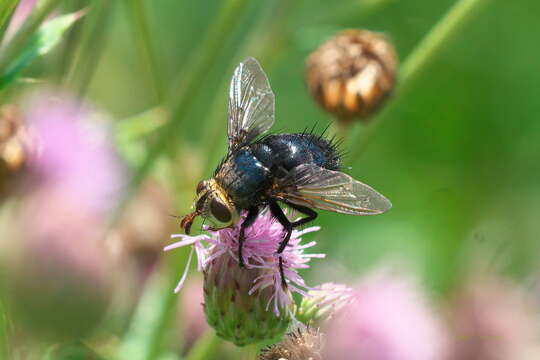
(247, 174)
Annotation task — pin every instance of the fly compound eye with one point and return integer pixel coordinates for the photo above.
(200, 186)
(219, 211)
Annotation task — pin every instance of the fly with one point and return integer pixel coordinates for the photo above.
(300, 170)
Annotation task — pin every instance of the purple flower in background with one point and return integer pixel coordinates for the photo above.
(493, 318)
(23, 10)
(191, 318)
(389, 320)
(73, 152)
(60, 277)
(261, 244)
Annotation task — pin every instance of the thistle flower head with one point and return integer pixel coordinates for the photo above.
(390, 320)
(254, 293)
(323, 302)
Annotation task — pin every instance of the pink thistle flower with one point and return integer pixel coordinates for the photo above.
(389, 320)
(259, 252)
(60, 280)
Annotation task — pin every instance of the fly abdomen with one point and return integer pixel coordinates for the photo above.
(290, 150)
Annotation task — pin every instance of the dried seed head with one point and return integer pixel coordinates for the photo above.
(304, 343)
(14, 142)
(351, 74)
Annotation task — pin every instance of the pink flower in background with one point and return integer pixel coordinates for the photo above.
(493, 318)
(191, 313)
(60, 278)
(23, 10)
(73, 152)
(262, 242)
(390, 320)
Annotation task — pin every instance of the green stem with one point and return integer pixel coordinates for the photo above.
(250, 352)
(190, 85)
(6, 12)
(440, 35)
(205, 348)
(143, 40)
(271, 29)
(29, 27)
(352, 11)
(91, 43)
(155, 310)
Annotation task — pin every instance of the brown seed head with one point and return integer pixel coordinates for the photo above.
(351, 74)
(304, 343)
(14, 141)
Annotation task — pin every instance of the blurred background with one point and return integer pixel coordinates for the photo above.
(456, 151)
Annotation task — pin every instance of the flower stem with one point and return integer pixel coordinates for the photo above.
(443, 32)
(251, 351)
(205, 348)
(191, 82)
(143, 40)
(7, 8)
(21, 38)
(155, 311)
(92, 42)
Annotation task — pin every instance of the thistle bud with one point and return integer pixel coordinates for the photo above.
(323, 302)
(352, 74)
(13, 146)
(237, 314)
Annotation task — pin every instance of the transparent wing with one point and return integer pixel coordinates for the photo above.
(316, 187)
(251, 104)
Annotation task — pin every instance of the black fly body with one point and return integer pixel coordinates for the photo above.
(299, 170)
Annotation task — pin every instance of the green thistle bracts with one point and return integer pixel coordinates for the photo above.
(236, 315)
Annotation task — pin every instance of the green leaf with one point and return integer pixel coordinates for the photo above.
(47, 37)
(73, 351)
(7, 8)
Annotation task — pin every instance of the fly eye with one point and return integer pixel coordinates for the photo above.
(220, 211)
(200, 186)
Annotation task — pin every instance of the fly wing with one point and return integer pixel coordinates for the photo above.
(312, 186)
(251, 104)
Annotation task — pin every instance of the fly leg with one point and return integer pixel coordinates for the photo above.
(277, 212)
(248, 221)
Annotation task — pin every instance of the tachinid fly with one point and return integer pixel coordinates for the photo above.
(300, 170)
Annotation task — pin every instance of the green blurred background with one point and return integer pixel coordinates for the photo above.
(458, 154)
(456, 149)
